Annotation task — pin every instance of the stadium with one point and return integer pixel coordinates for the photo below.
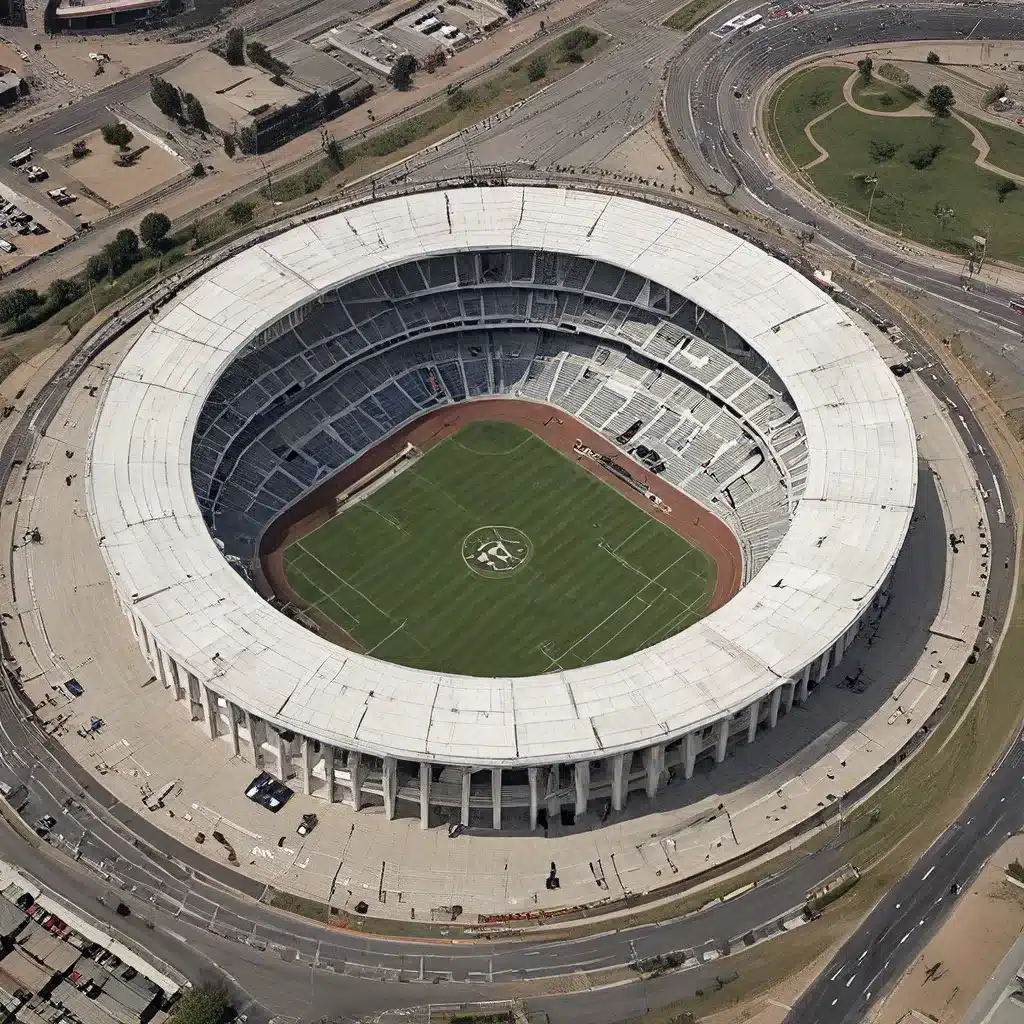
(498, 502)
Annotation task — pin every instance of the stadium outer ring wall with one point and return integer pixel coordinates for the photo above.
(234, 662)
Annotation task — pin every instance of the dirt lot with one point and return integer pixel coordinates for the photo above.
(691, 521)
(115, 185)
(128, 56)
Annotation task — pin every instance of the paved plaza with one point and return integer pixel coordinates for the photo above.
(63, 623)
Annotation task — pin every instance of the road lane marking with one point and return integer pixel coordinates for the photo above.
(904, 939)
(928, 872)
(861, 957)
(836, 975)
(850, 982)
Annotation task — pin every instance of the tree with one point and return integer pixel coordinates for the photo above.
(97, 267)
(123, 252)
(116, 133)
(153, 228)
(165, 97)
(198, 170)
(943, 214)
(240, 212)
(79, 149)
(14, 303)
(402, 72)
(933, 57)
(195, 113)
(575, 42)
(234, 47)
(63, 292)
(536, 69)
(1005, 188)
(229, 145)
(333, 150)
(866, 67)
(204, 1004)
(514, 7)
(940, 100)
(259, 54)
(248, 140)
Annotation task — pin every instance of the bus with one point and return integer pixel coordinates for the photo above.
(737, 24)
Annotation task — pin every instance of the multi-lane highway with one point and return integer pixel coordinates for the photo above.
(192, 900)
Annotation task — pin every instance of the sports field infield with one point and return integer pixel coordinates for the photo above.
(496, 555)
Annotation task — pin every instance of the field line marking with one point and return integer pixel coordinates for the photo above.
(472, 451)
(390, 520)
(325, 596)
(384, 640)
(632, 535)
(441, 490)
(345, 583)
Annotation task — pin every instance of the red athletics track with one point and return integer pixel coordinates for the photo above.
(691, 521)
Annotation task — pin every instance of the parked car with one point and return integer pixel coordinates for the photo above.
(74, 687)
(45, 824)
(308, 823)
(266, 791)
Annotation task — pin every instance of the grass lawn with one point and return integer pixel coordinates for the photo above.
(911, 198)
(802, 98)
(883, 96)
(1006, 145)
(494, 554)
(692, 14)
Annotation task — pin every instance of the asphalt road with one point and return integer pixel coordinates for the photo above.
(704, 112)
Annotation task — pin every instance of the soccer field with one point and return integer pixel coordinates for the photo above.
(495, 555)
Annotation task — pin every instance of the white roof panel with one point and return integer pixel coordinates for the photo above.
(842, 542)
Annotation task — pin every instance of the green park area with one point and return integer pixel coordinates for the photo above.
(915, 176)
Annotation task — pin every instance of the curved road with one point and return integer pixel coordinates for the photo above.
(714, 129)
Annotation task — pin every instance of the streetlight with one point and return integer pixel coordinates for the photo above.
(874, 184)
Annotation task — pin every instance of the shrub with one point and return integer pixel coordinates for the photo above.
(536, 69)
(259, 54)
(204, 1004)
(924, 158)
(866, 67)
(882, 150)
(514, 7)
(575, 42)
(1005, 188)
(198, 170)
(240, 212)
(933, 57)
(80, 149)
(116, 133)
(14, 303)
(459, 100)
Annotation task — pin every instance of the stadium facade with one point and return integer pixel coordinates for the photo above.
(766, 403)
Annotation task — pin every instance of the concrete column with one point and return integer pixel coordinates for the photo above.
(467, 786)
(328, 751)
(654, 765)
(307, 766)
(424, 794)
(620, 781)
(790, 694)
(752, 714)
(801, 689)
(282, 757)
(822, 667)
(723, 740)
(552, 801)
(689, 754)
(773, 714)
(252, 724)
(496, 798)
(531, 774)
(175, 679)
(389, 785)
(158, 661)
(233, 728)
(355, 776)
(581, 773)
(210, 710)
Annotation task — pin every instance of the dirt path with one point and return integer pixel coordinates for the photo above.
(912, 111)
(688, 519)
(822, 151)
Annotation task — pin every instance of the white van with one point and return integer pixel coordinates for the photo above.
(6, 246)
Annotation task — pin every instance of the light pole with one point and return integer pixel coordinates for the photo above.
(871, 200)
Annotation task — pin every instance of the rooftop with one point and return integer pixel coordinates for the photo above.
(843, 541)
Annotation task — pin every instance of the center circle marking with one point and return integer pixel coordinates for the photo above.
(496, 551)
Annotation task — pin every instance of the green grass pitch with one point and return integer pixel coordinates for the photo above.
(496, 555)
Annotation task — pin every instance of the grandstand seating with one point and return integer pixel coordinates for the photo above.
(310, 394)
